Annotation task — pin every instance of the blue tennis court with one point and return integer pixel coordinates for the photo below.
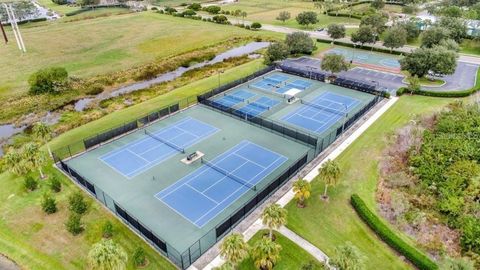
(259, 106)
(276, 78)
(298, 84)
(233, 99)
(331, 109)
(142, 154)
(202, 195)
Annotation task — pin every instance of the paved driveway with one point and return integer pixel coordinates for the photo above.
(464, 77)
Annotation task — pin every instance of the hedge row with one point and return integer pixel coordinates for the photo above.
(419, 259)
(365, 47)
(85, 9)
(362, 2)
(334, 14)
(28, 21)
(452, 94)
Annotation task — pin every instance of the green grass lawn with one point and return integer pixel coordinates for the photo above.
(292, 256)
(429, 82)
(98, 46)
(60, 9)
(328, 225)
(35, 240)
(266, 11)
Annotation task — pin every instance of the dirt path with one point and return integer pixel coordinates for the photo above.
(7, 264)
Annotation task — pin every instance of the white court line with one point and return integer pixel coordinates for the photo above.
(206, 196)
(246, 143)
(239, 195)
(226, 176)
(192, 178)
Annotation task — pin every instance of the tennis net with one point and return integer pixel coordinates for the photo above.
(323, 108)
(234, 97)
(227, 174)
(178, 148)
(266, 90)
(269, 79)
(261, 106)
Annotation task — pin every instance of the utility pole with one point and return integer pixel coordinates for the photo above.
(15, 29)
(3, 32)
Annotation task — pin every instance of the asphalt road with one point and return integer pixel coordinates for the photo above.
(464, 77)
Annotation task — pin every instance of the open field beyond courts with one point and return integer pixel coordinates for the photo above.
(98, 46)
(267, 11)
(328, 225)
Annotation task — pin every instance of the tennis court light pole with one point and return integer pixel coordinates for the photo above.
(345, 119)
(219, 72)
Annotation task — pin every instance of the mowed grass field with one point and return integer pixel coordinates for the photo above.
(330, 224)
(38, 241)
(97, 46)
(266, 11)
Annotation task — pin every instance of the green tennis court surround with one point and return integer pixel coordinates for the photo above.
(250, 139)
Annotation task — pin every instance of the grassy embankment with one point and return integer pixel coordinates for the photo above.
(331, 224)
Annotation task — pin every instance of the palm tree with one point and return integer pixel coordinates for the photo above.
(234, 249)
(348, 257)
(302, 190)
(266, 253)
(244, 15)
(274, 216)
(13, 159)
(34, 157)
(330, 174)
(43, 132)
(107, 255)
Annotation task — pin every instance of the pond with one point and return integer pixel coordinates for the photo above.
(81, 104)
(7, 131)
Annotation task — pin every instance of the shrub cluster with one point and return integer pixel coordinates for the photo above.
(419, 259)
(48, 80)
(450, 94)
(365, 47)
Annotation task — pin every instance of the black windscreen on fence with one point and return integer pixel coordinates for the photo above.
(358, 85)
(226, 225)
(266, 123)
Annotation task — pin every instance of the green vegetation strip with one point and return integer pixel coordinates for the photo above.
(129, 114)
(364, 47)
(419, 259)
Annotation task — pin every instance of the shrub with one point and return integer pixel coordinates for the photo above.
(139, 258)
(30, 183)
(154, 8)
(195, 6)
(107, 229)
(77, 203)
(170, 10)
(212, 9)
(256, 25)
(55, 184)
(470, 238)
(221, 19)
(60, 2)
(419, 259)
(94, 89)
(74, 224)
(189, 12)
(48, 80)
(49, 205)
